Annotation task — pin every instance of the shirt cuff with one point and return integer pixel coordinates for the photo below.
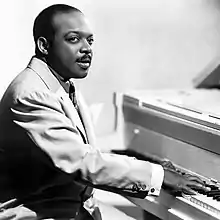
(156, 179)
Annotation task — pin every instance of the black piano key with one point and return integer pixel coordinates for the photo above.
(209, 195)
(212, 187)
(217, 198)
(213, 193)
(201, 192)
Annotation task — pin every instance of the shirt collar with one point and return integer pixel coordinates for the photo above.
(64, 84)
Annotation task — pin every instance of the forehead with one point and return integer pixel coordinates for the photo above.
(71, 21)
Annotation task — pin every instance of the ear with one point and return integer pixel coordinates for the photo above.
(43, 45)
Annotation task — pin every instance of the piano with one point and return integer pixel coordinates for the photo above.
(182, 126)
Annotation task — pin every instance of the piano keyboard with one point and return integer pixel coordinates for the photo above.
(168, 207)
(205, 206)
(206, 202)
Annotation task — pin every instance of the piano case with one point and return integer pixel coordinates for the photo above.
(184, 127)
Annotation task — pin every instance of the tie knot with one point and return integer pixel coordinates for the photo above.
(72, 93)
(71, 87)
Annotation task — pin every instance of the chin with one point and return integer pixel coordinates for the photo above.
(83, 74)
(80, 75)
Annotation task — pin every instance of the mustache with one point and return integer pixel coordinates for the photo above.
(85, 58)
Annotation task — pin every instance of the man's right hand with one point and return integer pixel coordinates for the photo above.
(178, 184)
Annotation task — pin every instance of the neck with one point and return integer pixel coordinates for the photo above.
(41, 58)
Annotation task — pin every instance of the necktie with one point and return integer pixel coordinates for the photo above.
(72, 94)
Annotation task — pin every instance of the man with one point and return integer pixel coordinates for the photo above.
(49, 162)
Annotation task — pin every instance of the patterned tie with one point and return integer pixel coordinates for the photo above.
(72, 94)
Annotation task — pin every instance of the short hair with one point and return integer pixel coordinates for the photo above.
(43, 22)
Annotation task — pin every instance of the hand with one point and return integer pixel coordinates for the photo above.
(178, 184)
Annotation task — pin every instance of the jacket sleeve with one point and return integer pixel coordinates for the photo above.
(42, 116)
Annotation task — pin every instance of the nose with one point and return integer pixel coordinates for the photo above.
(86, 47)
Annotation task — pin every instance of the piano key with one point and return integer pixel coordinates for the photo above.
(202, 207)
(213, 193)
(216, 198)
(201, 192)
(206, 202)
(214, 180)
(213, 187)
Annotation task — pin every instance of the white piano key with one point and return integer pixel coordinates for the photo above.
(202, 206)
(207, 201)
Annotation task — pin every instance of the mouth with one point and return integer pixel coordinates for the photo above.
(84, 62)
(84, 65)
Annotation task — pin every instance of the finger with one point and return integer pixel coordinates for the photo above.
(194, 178)
(211, 186)
(188, 191)
(199, 187)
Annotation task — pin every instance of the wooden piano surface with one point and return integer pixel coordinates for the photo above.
(184, 127)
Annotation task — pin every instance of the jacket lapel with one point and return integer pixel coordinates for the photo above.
(71, 111)
(85, 115)
(43, 71)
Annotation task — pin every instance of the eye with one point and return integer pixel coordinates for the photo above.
(73, 39)
(90, 41)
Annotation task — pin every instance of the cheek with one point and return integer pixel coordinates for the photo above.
(66, 59)
(66, 51)
(69, 55)
(66, 56)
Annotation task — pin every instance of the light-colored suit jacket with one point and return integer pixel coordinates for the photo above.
(48, 155)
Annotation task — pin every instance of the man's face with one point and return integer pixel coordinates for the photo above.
(70, 53)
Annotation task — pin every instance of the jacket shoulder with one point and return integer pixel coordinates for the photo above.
(25, 82)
